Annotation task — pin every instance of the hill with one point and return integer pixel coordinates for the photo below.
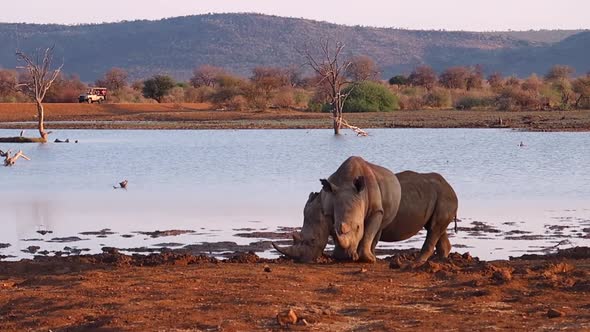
(240, 42)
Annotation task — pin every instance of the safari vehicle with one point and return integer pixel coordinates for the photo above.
(94, 95)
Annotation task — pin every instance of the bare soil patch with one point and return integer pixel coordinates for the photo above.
(203, 116)
(174, 291)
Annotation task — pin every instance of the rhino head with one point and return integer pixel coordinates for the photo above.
(346, 207)
(310, 243)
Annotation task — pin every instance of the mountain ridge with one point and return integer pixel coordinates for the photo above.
(240, 42)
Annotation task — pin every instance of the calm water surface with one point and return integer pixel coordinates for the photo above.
(218, 181)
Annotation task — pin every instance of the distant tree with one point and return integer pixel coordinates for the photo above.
(157, 87)
(363, 68)
(332, 73)
(438, 98)
(115, 79)
(476, 77)
(558, 72)
(65, 89)
(423, 76)
(563, 86)
(266, 80)
(265, 83)
(454, 78)
(137, 85)
(206, 75)
(399, 80)
(370, 96)
(8, 81)
(40, 78)
(229, 92)
(495, 80)
(581, 86)
(512, 81)
(295, 76)
(513, 98)
(532, 83)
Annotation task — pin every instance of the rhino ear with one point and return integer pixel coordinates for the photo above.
(312, 196)
(359, 183)
(327, 186)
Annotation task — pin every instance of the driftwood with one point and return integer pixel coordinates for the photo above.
(357, 130)
(10, 160)
(21, 139)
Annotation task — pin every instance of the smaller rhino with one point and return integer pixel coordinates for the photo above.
(427, 201)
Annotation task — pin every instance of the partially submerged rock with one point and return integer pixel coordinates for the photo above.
(105, 231)
(174, 232)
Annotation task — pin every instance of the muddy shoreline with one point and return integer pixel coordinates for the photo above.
(202, 116)
(177, 291)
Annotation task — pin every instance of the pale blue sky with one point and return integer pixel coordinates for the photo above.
(413, 14)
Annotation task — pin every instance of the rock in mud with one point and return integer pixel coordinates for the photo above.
(243, 257)
(501, 275)
(287, 318)
(31, 249)
(66, 239)
(102, 232)
(553, 313)
(267, 268)
(174, 232)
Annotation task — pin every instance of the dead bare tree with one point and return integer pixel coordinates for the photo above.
(41, 76)
(333, 72)
(9, 159)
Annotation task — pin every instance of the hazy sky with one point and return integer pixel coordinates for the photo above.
(414, 14)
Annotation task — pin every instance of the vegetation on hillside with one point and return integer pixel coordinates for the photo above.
(241, 42)
(457, 87)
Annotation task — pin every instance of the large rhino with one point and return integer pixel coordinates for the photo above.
(427, 201)
(360, 199)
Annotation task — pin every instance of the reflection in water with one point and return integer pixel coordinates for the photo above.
(223, 179)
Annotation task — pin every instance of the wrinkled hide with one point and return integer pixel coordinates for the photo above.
(427, 201)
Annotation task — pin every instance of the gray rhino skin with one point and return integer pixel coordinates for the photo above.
(427, 200)
(360, 199)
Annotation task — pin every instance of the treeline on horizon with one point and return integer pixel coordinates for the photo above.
(459, 87)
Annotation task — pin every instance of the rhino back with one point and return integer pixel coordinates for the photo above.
(421, 195)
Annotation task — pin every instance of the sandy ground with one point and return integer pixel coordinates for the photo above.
(202, 116)
(180, 292)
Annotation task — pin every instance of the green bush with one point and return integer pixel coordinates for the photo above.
(370, 97)
(399, 80)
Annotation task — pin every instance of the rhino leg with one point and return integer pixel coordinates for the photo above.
(443, 246)
(370, 238)
(428, 247)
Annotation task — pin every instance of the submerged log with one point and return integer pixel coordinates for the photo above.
(20, 139)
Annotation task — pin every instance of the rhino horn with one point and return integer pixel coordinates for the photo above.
(290, 251)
